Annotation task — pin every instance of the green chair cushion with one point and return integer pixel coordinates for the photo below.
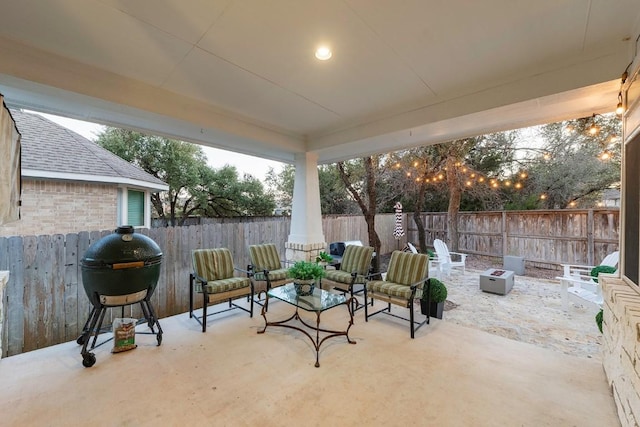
(212, 264)
(392, 289)
(356, 258)
(224, 285)
(264, 257)
(342, 277)
(274, 275)
(407, 268)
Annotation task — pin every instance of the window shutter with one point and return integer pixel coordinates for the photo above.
(135, 208)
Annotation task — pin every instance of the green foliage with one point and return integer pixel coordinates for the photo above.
(324, 257)
(334, 199)
(306, 270)
(432, 254)
(570, 169)
(438, 291)
(599, 317)
(595, 271)
(194, 187)
(227, 194)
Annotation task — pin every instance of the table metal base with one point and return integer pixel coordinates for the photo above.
(317, 342)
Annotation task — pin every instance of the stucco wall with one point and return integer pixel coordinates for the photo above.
(58, 207)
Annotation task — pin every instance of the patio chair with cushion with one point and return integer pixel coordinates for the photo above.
(404, 282)
(213, 277)
(445, 261)
(579, 285)
(267, 268)
(353, 271)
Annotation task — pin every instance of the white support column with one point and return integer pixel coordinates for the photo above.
(306, 238)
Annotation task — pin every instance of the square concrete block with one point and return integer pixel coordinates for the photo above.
(514, 263)
(496, 281)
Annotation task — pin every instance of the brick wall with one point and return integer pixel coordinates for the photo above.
(621, 349)
(59, 207)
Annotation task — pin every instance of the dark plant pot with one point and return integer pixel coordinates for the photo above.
(304, 287)
(435, 309)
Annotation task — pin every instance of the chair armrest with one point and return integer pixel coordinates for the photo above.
(569, 270)
(375, 276)
(461, 255)
(422, 282)
(248, 271)
(199, 279)
(577, 280)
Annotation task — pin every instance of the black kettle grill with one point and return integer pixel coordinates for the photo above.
(119, 270)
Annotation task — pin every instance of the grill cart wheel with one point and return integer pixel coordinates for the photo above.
(88, 360)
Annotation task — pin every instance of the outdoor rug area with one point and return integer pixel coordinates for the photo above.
(532, 312)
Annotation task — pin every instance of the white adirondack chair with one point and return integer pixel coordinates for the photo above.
(445, 260)
(578, 286)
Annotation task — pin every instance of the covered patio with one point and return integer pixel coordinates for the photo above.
(242, 76)
(450, 375)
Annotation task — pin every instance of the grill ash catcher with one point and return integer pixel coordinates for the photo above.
(119, 270)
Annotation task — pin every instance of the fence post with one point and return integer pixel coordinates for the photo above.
(504, 233)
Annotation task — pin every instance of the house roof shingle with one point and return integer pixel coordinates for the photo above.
(50, 147)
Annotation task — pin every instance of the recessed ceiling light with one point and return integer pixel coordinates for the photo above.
(323, 53)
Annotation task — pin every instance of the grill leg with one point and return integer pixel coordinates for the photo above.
(101, 313)
(152, 320)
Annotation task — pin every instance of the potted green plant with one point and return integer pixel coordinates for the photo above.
(324, 258)
(438, 296)
(599, 318)
(607, 269)
(305, 274)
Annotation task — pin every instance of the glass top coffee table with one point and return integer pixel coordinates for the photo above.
(319, 301)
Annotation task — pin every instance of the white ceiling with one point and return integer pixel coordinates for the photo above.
(241, 74)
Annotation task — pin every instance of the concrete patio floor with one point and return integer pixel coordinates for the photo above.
(449, 375)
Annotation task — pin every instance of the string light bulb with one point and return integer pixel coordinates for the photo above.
(604, 156)
(620, 107)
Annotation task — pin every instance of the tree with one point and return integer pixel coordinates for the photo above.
(228, 195)
(569, 170)
(333, 197)
(453, 174)
(194, 187)
(359, 178)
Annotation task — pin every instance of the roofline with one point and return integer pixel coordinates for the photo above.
(34, 173)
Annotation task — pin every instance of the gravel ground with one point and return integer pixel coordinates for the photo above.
(532, 312)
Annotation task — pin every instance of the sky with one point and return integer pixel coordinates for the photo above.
(255, 166)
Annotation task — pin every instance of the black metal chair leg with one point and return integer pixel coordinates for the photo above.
(411, 318)
(190, 296)
(205, 297)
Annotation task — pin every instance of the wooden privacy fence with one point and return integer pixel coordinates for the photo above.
(45, 302)
(543, 238)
